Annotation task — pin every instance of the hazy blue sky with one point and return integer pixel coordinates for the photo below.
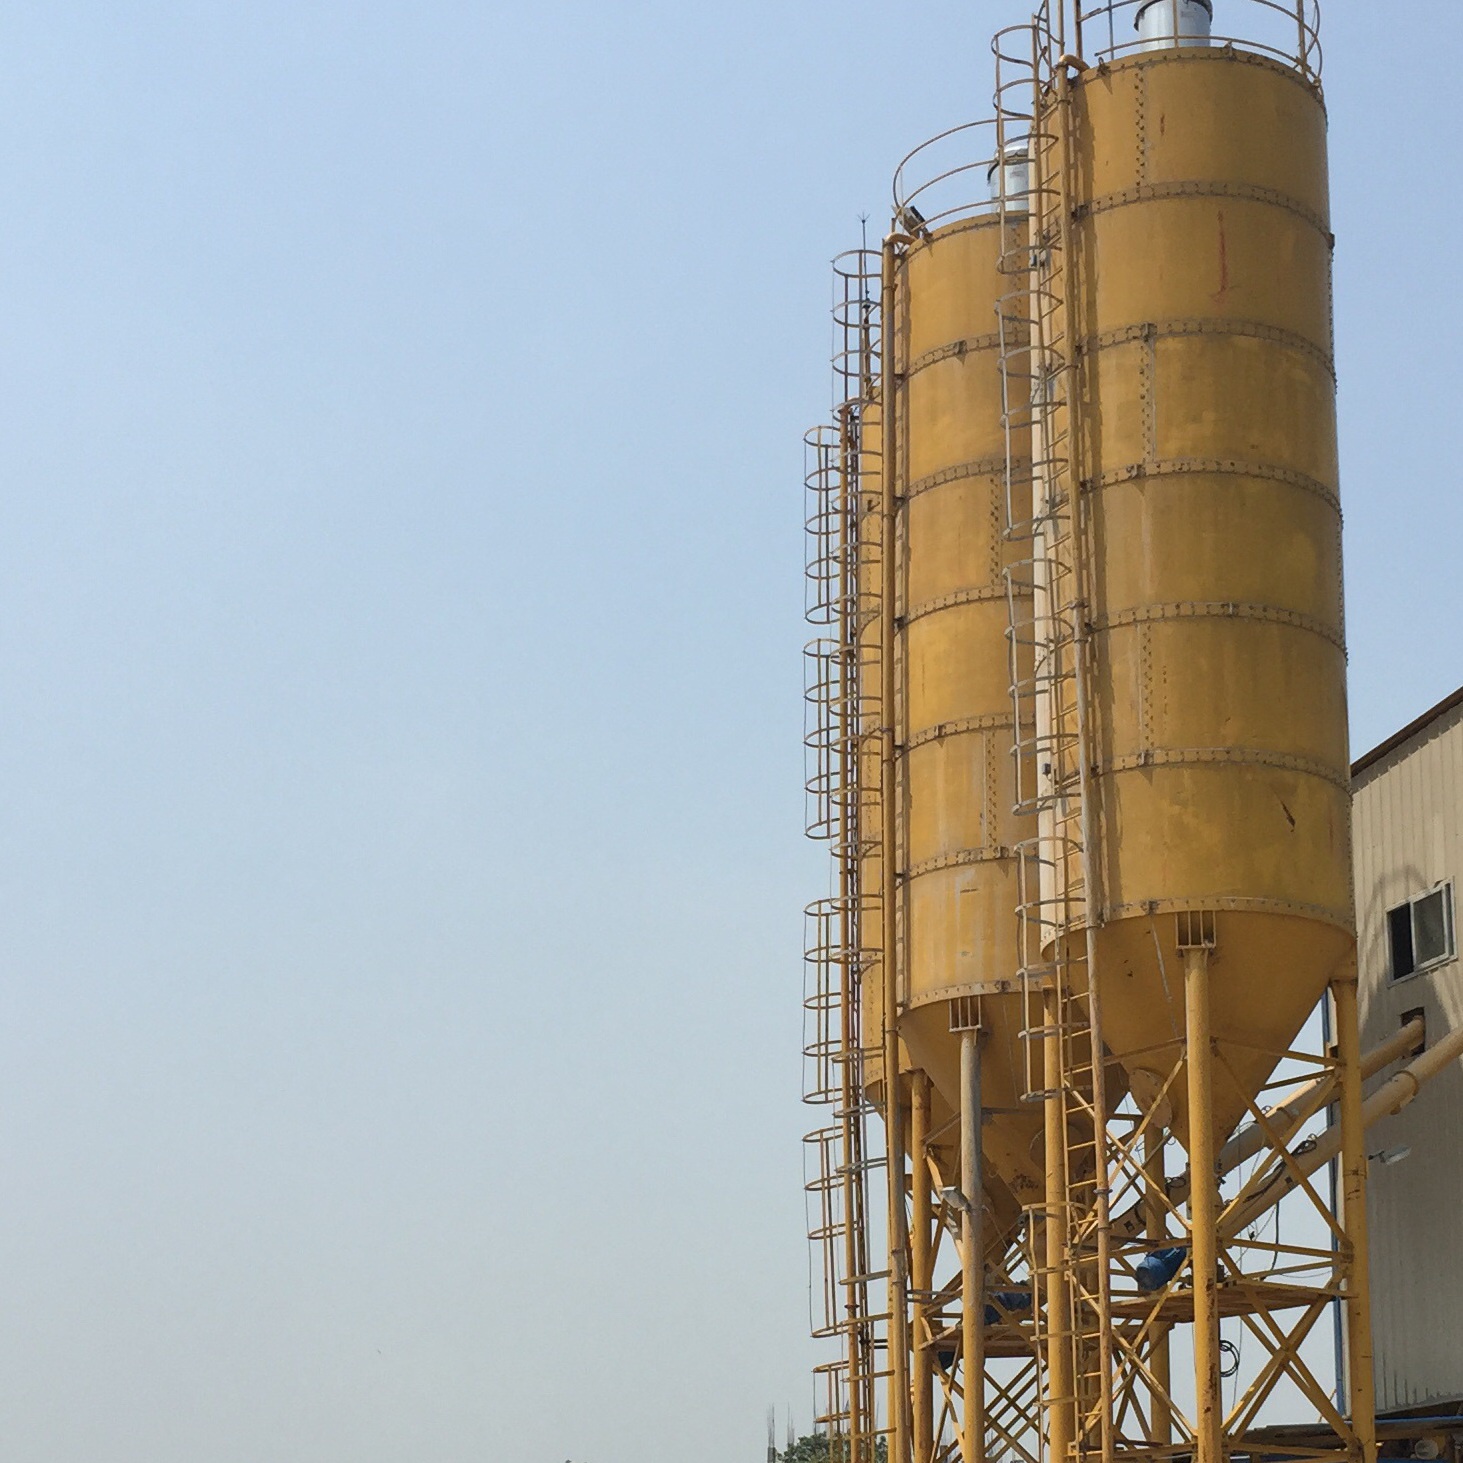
(400, 592)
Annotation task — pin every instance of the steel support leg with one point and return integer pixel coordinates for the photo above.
(1203, 1210)
(899, 1427)
(972, 1253)
(922, 1273)
(1360, 1383)
(1060, 1385)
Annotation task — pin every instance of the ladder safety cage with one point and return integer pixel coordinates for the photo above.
(976, 175)
(1047, 597)
(840, 1155)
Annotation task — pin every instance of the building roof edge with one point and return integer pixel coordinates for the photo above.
(1401, 738)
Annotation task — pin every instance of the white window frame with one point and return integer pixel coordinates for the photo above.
(1451, 935)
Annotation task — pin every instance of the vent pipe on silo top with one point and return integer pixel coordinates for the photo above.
(1009, 176)
(1165, 23)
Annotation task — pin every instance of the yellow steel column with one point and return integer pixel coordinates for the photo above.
(1060, 1384)
(1156, 1231)
(922, 1277)
(1360, 1384)
(854, 1265)
(972, 1252)
(1203, 1209)
(889, 880)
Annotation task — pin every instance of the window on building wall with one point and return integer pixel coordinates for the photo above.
(1420, 932)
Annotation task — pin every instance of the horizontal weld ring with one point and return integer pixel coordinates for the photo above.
(1248, 192)
(963, 727)
(1218, 466)
(1232, 904)
(1226, 757)
(960, 472)
(981, 594)
(964, 858)
(1247, 329)
(954, 348)
(1217, 610)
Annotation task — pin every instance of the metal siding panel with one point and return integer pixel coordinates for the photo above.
(1409, 834)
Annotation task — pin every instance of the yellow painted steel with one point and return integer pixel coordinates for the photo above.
(1183, 692)
(870, 629)
(1208, 458)
(957, 773)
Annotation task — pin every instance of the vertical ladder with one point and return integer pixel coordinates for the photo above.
(1059, 903)
(839, 1155)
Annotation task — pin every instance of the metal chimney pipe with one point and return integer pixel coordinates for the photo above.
(1165, 23)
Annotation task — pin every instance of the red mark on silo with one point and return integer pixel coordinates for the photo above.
(1223, 290)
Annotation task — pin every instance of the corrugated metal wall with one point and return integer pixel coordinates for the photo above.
(1409, 836)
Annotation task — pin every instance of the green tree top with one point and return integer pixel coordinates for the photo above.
(818, 1448)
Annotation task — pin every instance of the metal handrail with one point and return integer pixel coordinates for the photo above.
(931, 188)
(1288, 31)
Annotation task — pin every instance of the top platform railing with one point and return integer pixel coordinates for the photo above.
(1287, 31)
(958, 174)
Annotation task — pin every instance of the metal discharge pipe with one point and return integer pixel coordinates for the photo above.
(1310, 1097)
(1286, 1118)
(1390, 1098)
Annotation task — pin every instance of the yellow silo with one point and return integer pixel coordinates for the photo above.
(961, 1012)
(1188, 696)
(957, 773)
(1098, 425)
(1202, 267)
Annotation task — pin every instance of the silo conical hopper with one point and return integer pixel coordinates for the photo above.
(1201, 270)
(1015, 1165)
